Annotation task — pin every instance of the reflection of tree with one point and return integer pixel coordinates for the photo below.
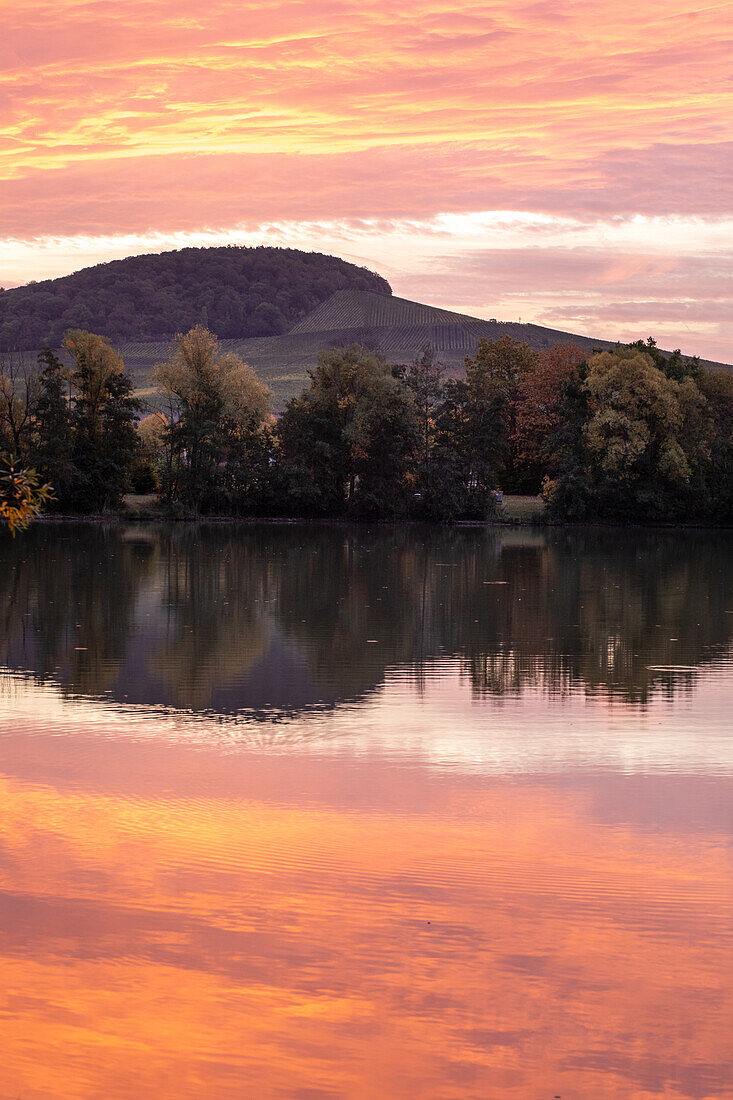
(67, 600)
(215, 590)
(607, 609)
(200, 607)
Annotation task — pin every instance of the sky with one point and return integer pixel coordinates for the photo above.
(567, 163)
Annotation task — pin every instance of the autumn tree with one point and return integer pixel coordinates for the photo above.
(22, 496)
(103, 416)
(539, 411)
(493, 379)
(149, 467)
(18, 402)
(641, 441)
(220, 413)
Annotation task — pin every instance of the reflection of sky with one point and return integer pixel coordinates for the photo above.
(439, 724)
(424, 894)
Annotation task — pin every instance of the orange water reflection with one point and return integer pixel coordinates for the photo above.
(448, 935)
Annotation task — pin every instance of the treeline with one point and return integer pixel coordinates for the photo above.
(234, 291)
(627, 435)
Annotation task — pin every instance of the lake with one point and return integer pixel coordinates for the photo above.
(294, 811)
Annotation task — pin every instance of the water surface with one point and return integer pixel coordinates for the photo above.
(324, 812)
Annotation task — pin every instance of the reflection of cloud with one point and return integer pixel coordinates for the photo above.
(440, 726)
(172, 945)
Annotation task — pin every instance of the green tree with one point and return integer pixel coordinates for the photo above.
(53, 445)
(348, 442)
(425, 378)
(717, 389)
(636, 441)
(674, 364)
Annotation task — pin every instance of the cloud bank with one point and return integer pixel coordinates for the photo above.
(157, 119)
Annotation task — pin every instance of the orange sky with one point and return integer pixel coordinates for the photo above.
(564, 162)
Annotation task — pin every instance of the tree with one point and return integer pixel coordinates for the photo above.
(425, 379)
(475, 447)
(674, 364)
(22, 496)
(637, 418)
(439, 494)
(539, 408)
(220, 411)
(104, 412)
(18, 400)
(493, 378)
(53, 441)
(636, 442)
(149, 468)
(384, 436)
(717, 389)
(347, 441)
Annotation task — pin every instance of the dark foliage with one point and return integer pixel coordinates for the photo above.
(643, 438)
(53, 444)
(80, 433)
(626, 436)
(233, 291)
(103, 459)
(347, 444)
(673, 364)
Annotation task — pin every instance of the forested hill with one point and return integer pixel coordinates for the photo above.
(234, 291)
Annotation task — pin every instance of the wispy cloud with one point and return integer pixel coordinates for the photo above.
(135, 117)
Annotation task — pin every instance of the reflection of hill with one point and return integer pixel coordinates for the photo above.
(271, 617)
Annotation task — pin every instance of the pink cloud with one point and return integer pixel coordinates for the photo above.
(140, 116)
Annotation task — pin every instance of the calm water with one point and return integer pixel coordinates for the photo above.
(293, 812)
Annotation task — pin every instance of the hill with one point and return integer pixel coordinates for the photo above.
(277, 308)
(236, 292)
(397, 328)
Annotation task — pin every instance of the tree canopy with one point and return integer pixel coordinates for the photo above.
(627, 435)
(348, 441)
(219, 411)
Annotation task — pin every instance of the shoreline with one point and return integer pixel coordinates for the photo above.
(349, 521)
